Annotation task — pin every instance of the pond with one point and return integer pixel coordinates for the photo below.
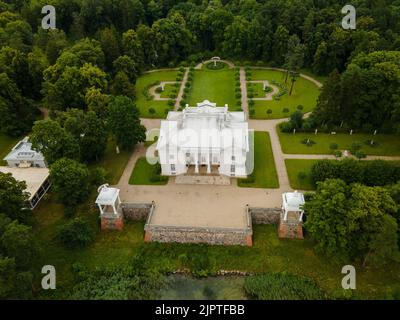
(182, 287)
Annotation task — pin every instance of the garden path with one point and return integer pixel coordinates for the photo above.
(270, 95)
(181, 90)
(155, 94)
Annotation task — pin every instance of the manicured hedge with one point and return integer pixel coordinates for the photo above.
(370, 173)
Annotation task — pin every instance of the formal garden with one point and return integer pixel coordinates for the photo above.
(147, 105)
(303, 95)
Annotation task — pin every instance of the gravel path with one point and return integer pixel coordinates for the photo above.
(181, 90)
(270, 95)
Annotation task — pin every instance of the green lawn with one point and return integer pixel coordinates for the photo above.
(311, 74)
(170, 89)
(142, 86)
(269, 254)
(258, 89)
(386, 145)
(305, 93)
(6, 144)
(294, 167)
(265, 175)
(142, 173)
(114, 163)
(215, 86)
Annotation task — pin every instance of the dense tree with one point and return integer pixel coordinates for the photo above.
(365, 96)
(350, 222)
(13, 198)
(53, 141)
(124, 122)
(122, 86)
(97, 102)
(70, 88)
(18, 241)
(16, 112)
(70, 181)
(109, 41)
(294, 57)
(279, 44)
(76, 233)
(88, 130)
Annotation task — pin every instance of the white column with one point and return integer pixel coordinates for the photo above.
(115, 210)
(285, 216)
(301, 216)
(209, 163)
(196, 159)
(101, 209)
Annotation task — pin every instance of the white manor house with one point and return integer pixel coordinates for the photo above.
(205, 139)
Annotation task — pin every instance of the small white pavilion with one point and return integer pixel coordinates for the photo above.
(292, 203)
(108, 199)
(23, 156)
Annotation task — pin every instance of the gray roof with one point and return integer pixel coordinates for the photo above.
(23, 152)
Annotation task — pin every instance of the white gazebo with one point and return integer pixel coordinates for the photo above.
(292, 203)
(108, 199)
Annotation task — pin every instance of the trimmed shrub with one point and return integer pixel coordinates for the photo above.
(333, 146)
(76, 233)
(370, 173)
(158, 90)
(302, 175)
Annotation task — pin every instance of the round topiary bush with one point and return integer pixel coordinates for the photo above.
(302, 175)
(158, 90)
(216, 66)
(152, 111)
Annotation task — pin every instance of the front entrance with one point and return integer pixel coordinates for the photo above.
(202, 171)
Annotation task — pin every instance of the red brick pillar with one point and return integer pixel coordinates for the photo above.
(112, 222)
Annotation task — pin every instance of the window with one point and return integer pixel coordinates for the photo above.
(233, 158)
(173, 168)
(233, 169)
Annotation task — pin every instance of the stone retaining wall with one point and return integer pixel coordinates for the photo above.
(265, 215)
(212, 236)
(136, 211)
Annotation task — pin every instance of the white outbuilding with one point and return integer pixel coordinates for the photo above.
(205, 139)
(23, 156)
(36, 179)
(292, 203)
(108, 199)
